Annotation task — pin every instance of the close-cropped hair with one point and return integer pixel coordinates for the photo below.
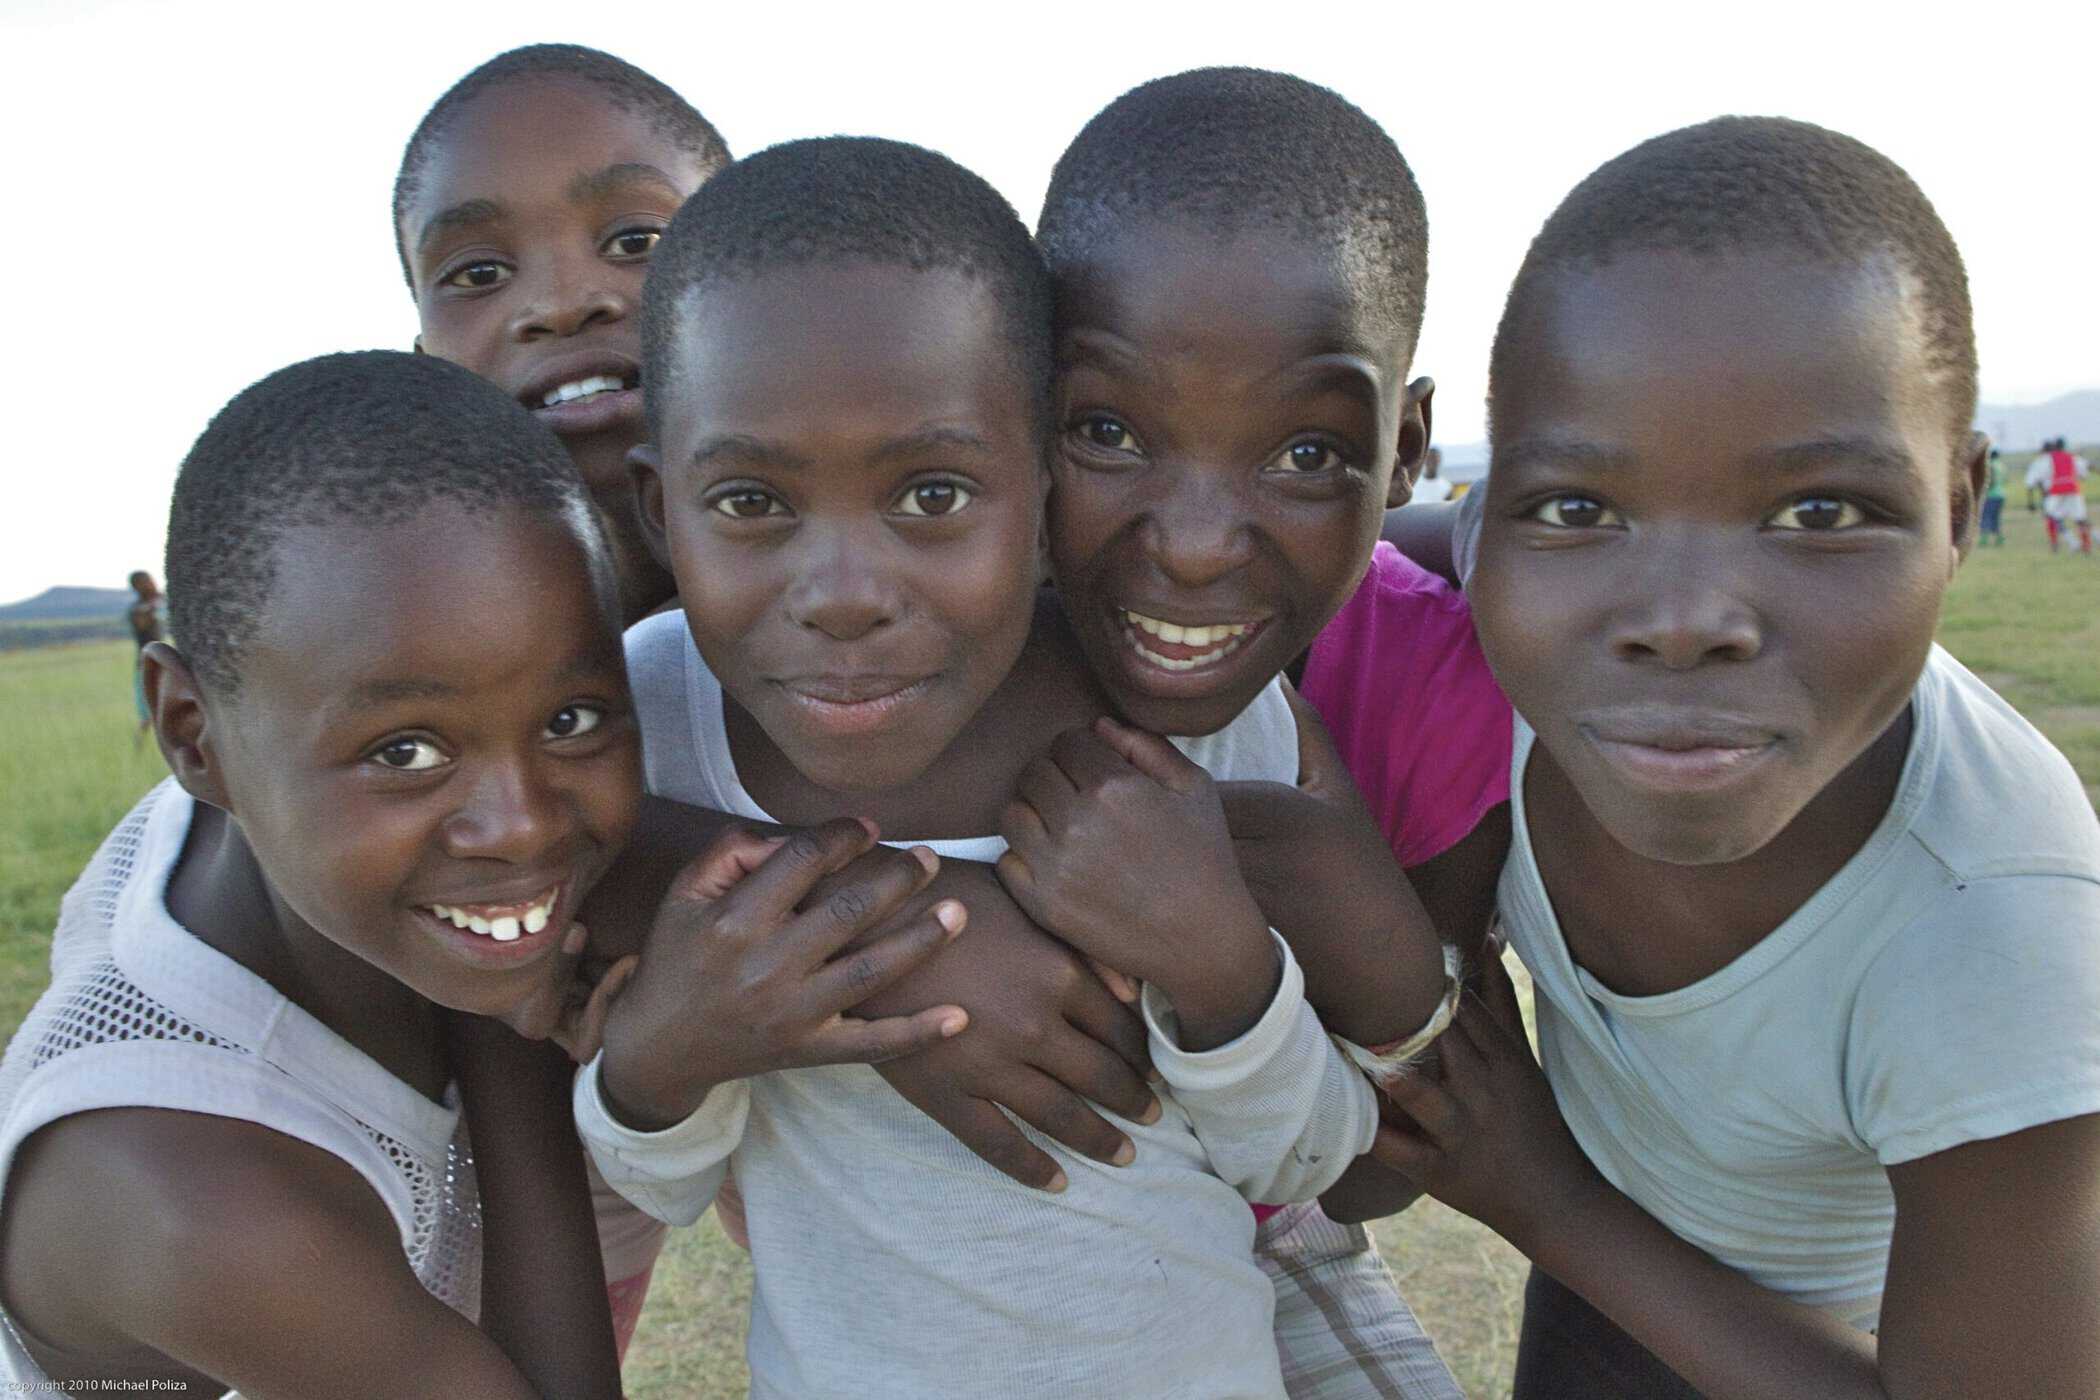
(1223, 150)
(1763, 183)
(363, 439)
(849, 199)
(627, 87)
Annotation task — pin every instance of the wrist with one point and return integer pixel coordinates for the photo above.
(639, 1096)
(1220, 994)
(1563, 1220)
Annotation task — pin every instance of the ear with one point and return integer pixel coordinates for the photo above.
(645, 469)
(183, 725)
(1412, 448)
(1972, 469)
(1043, 575)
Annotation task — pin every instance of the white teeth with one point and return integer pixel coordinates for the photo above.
(1230, 633)
(535, 918)
(477, 923)
(458, 917)
(581, 389)
(505, 929)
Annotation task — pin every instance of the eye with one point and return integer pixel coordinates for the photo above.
(747, 504)
(632, 243)
(934, 498)
(1103, 431)
(1573, 512)
(478, 276)
(1311, 455)
(573, 720)
(1818, 513)
(409, 755)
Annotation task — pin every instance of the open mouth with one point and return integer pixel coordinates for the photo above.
(500, 923)
(588, 393)
(1176, 646)
(581, 390)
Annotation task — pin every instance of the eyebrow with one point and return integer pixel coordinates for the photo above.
(392, 690)
(595, 184)
(1342, 373)
(465, 214)
(1563, 453)
(746, 450)
(929, 438)
(1822, 453)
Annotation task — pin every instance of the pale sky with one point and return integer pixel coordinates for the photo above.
(200, 191)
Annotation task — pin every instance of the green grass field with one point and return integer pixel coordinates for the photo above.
(2029, 623)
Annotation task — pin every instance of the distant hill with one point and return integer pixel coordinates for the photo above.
(69, 604)
(2021, 427)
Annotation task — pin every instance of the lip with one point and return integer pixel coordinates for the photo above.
(853, 704)
(1680, 751)
(1140, 653)
(599, 413)
(483, 950)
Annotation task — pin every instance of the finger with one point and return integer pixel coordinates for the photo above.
(729, 1213)
(868, 892)
(1499, 991)
(1121, 986)
(1412, 1156)
(1026, 836)
(583, 1028)
(848, 1040)
(1095, 1071)
(859, 973)
(784, 878)
(861, 866)
(1151, 755)
(1115, 1024)
(1431, 1109)
(1320, 765)
(1462, 1050)
(1062, 1116)
(1046, 788)
(982, 1128)
(727, 859)
(1087, 760)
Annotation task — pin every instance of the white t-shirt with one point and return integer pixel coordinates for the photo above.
(142, 1014)
(1942, 988)
(890, 1261)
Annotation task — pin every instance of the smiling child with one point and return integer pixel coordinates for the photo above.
(232, 1135)
(1813, 916)
(526, 206)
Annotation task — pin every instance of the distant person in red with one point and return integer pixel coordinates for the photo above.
(2061, 475)
(148, 616)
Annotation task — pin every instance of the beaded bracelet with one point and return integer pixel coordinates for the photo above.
(1393, 1061)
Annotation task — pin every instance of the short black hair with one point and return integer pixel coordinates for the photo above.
(1739, 183)
(1227, 149)
(628, 87)
(368, 438)
(850, 199)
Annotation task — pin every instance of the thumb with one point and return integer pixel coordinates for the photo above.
(1321, 772)
(1499, 991)
(1151, 755)
(717, 869)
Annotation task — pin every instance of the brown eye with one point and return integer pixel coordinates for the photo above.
(633, 242)
(408, 755)
(749, 505)
(478, 276)
(1816, 513)
(1103, 431)
(934, 498)
(572, 720)
(1310, 456)
(1573, 513)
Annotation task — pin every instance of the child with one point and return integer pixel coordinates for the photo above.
(525, 209)
(148, 617)
(526, 206)
(230, 1146)
(1813, 916)
(1241, 261)
(1991, 530)
(2058, 474)
(851, 504)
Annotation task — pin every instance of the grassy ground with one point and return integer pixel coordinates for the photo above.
(2028, 622)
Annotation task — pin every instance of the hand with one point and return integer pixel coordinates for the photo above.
(570, 1008)
(1118, 844)
(737, 978)
(1045, 1036)
(1488, 1139)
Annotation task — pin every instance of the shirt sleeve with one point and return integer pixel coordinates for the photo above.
(673, 1174)
(1982, 1022)
(1279, 1111)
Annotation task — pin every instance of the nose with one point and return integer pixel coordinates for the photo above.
(568, 295)
(511, 812)
(1197, 532)
(844, 584)
(1684, 607)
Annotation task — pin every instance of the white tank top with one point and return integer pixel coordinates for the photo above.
(142, 1014)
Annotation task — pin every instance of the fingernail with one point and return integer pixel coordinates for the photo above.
(1153, 1110)
(1126, 1154)
(1056, 1183)
(874, 831)
(949, 915)
(954, 1025)
(928, 861)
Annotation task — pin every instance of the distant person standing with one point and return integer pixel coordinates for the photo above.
(1992, 528)
(1431, 487)
(148, 616)
(2061, 475)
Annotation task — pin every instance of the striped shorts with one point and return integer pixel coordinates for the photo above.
(1342, 1329)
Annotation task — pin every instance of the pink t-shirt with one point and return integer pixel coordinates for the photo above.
(1401, 681)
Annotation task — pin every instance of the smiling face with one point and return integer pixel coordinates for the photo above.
(432, 728)
(527, 242)
(1726, 500)
(1230, 422)
(850, 495)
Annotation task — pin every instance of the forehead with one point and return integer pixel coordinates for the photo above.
(822, 347)
(1747, 347)
(449, 592)
(538, 138)
(1260, 294)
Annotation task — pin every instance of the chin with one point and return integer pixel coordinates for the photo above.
(1682, 836)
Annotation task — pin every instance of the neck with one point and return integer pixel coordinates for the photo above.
(1644, 927)
(221, 895)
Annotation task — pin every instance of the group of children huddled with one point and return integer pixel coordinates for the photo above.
(1038, 861)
